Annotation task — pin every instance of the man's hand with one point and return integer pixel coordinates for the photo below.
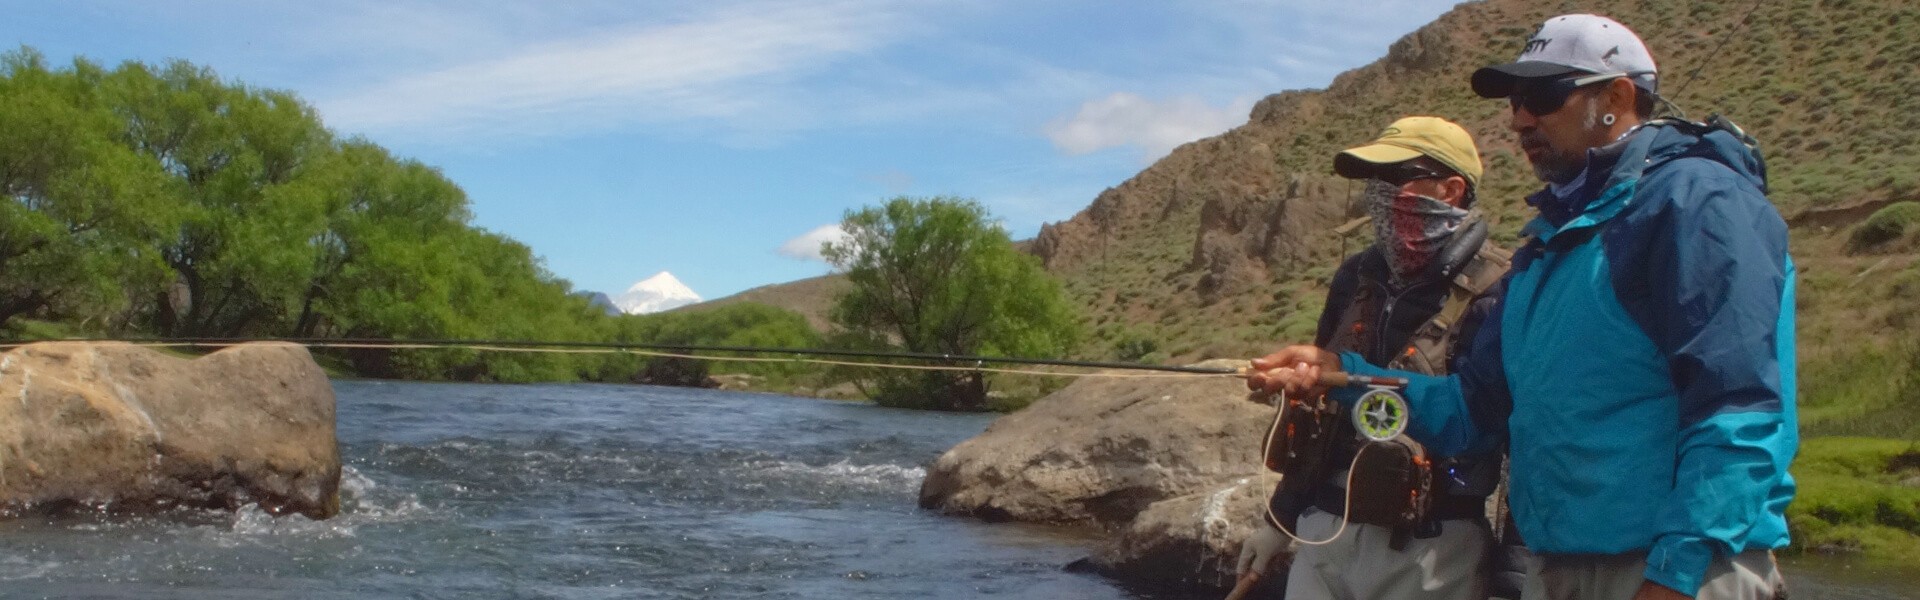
(1654, 591)
(1294, 369)
(1257, 553)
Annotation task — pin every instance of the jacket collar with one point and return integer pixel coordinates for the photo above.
(1602, 190)
(1614, 172)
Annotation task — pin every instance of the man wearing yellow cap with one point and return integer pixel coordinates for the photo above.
(1364, 527)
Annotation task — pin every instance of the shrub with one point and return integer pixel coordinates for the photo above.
(1886, 225)
(1133, 345)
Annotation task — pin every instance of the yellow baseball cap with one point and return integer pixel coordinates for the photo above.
(1409, 138)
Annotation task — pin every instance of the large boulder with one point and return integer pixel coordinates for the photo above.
(1171, 464)
(1103, 449)
(118, 427)
(1191, 541)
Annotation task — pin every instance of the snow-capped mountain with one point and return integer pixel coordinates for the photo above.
(654, 294)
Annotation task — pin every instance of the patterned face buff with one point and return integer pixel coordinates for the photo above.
(1409, 228)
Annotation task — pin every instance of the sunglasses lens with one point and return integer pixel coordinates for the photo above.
(1546, 102)
(1543, 98)
(1403, 175)
(1546, 97)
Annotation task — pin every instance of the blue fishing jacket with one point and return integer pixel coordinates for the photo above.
(1641, 363)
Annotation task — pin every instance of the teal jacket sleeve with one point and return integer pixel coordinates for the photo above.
(1456, 414)
(1714, 289)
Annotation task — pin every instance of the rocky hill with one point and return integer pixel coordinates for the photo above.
(1223, 248)
(811, 297)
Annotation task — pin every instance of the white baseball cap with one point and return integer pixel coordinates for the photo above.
(1569, 44)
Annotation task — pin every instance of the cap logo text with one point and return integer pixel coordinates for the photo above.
(1536, 45)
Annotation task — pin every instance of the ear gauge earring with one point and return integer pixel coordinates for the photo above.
(1607, 119)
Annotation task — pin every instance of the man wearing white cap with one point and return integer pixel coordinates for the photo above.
(1642, 360)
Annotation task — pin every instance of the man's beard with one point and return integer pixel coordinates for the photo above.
(1557, 165)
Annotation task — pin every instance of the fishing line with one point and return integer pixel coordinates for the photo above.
(1742, 26)
(1280, 403)
(1247, 582)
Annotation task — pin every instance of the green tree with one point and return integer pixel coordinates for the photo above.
(232, 158)
(744, 324)
(81, 214)
(938, 276)
(164, 200)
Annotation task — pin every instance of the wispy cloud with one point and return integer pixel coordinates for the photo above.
(807, 246)
(707, 67)
(1154, 128)
(895, 181)
(754, 72)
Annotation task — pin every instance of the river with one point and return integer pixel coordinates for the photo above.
(604, 491)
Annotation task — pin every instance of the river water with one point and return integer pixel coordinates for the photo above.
(601, 491)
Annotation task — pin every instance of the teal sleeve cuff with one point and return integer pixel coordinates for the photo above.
(1353, 364)
(1679, 562)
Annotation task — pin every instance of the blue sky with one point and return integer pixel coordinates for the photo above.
(719, 140)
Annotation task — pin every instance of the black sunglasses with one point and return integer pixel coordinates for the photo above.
(1547, 96)
(1404, 173)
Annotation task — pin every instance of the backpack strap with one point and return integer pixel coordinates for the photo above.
(1485, 270)
(1431, 345)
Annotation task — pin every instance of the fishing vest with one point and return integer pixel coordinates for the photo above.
(1392, 483)
(1430, 348)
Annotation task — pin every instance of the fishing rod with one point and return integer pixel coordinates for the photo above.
(1330, 378)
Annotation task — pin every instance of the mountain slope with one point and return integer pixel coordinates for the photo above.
(811, 297)
(1223, 247)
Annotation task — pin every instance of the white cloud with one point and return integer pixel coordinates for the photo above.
(713, 66)
(895, 181)
(1155, 128)
(807, 246)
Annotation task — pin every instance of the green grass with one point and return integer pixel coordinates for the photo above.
(1857, 496)
(1867, 391)
(30, 329)
(38, 330)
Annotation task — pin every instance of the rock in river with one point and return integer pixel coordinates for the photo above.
(1170, 464)
(115, 426)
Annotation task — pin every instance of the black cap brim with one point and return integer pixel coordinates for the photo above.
(1497, 81)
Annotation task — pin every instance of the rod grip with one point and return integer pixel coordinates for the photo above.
(1334, 379)
(1344, 379)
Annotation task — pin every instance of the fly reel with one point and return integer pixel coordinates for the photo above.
(1381, 414)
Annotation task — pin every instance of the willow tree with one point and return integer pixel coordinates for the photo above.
(165, 200)
(936, 275)
(79, 216)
